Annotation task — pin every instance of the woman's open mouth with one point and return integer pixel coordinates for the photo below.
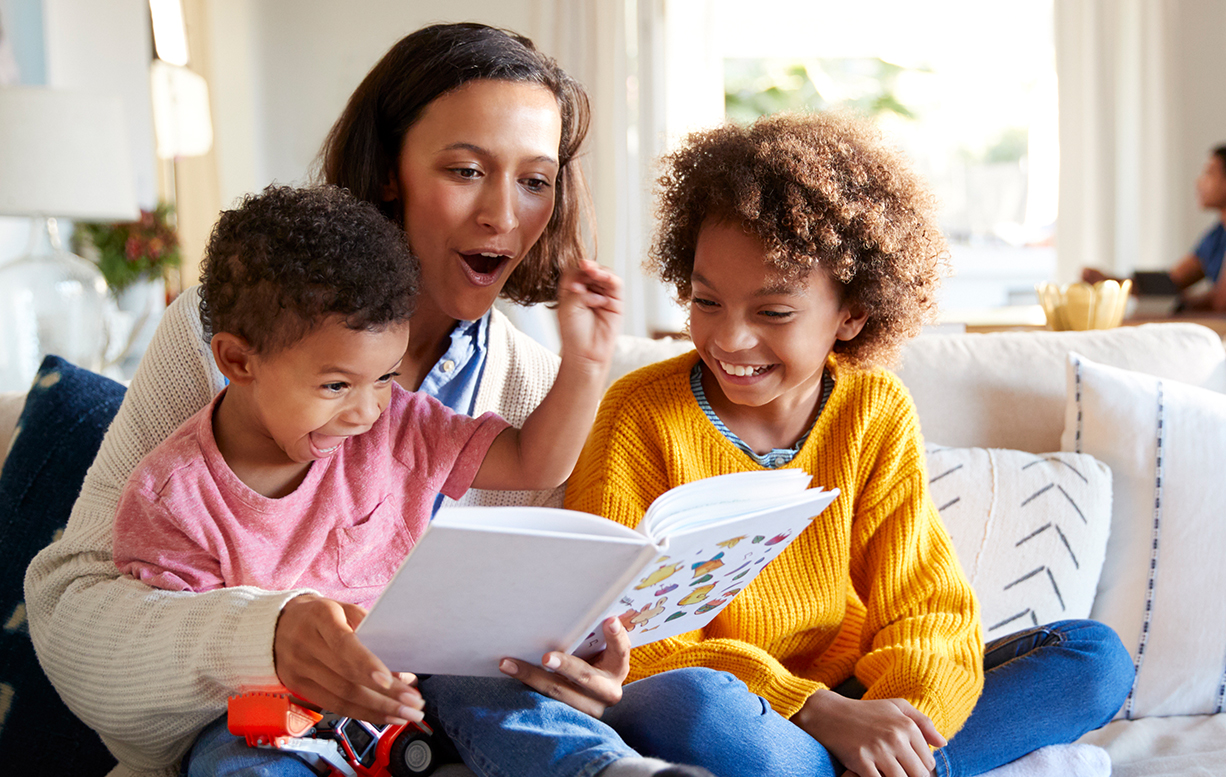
(483, 268)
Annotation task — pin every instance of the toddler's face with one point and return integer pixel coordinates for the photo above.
(329, 386)
(763, 335)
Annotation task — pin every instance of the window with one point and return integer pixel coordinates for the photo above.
(967, 89)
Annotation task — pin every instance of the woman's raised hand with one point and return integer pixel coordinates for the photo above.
(319, 659)
(589, 313)
(588, 687)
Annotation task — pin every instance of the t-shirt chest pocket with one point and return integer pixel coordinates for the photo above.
(369, 553)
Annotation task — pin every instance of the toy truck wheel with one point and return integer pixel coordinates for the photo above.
(412, 755)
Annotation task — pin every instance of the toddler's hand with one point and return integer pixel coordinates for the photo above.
(872, 737)
(589, 313)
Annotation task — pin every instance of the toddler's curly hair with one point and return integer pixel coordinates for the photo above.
(285, 259)
(820, 191)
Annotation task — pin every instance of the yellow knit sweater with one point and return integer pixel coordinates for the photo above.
(872, 587)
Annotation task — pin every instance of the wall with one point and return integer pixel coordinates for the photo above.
(1200, 32)
(283, 69)
(1140, 86)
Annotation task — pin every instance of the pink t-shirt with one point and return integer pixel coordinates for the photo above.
(186, 522)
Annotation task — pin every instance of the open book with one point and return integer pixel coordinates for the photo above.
(484, 583)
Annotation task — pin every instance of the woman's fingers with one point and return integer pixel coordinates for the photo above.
(319, 658)
(594, 281)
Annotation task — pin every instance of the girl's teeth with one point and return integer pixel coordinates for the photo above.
(742, 370)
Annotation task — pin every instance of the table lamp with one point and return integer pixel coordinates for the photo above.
(63, 154)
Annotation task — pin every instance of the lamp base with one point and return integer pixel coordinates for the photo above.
(50, 303)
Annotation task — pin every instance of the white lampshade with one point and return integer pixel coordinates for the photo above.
(64, 154)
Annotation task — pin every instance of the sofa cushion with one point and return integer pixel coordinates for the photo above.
(58, 433)
(1162, 584)
(1030, 530)
(1006, 389)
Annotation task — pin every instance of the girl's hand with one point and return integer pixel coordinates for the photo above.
(319, 659)
(589, 688)
(872, 738)
(589, 313)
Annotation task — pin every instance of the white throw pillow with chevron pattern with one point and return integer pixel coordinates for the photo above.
(1030, 530)
(1163, 588)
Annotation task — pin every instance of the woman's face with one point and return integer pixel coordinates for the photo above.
(475, 180)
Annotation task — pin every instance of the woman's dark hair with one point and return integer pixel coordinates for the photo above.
(1220, 153)
(285, 259)
(363, 147)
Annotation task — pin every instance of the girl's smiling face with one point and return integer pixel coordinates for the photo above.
(475, 180)
(763, 336)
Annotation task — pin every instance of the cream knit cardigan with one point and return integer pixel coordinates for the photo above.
(146, 668)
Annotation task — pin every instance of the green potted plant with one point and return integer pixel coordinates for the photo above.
(131, 251)
(134, 257)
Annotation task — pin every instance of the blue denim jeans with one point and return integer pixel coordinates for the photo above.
(1076, 672)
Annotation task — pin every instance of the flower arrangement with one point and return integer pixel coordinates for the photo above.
(129, 251)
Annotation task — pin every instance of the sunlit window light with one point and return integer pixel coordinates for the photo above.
(169, 31)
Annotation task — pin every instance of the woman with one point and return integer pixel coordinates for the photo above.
(467, 136)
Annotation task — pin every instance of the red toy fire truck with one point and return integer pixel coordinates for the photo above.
(341, 747)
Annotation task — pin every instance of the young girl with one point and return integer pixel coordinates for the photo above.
(808, 253)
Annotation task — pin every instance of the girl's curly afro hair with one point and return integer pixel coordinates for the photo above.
(285, 259)
(820, 191)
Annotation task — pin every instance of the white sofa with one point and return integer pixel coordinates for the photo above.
(1008, 391)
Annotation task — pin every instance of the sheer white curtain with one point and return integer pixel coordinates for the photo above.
(1140, 105)
(614, 48)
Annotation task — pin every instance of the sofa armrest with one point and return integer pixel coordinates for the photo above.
(11, 403)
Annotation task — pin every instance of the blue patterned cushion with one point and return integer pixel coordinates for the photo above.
(65, 416)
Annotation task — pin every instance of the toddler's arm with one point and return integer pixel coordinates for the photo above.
(151, 545)
(542, 454)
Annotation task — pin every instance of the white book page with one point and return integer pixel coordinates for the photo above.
(534, 520)
(720, 496)
(467, 597)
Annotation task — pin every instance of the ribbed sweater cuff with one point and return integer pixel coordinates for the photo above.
(123, 771)
(249, 657)
(788, 693)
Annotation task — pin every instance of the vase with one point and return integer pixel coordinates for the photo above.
(51, 303)
(139, 308)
